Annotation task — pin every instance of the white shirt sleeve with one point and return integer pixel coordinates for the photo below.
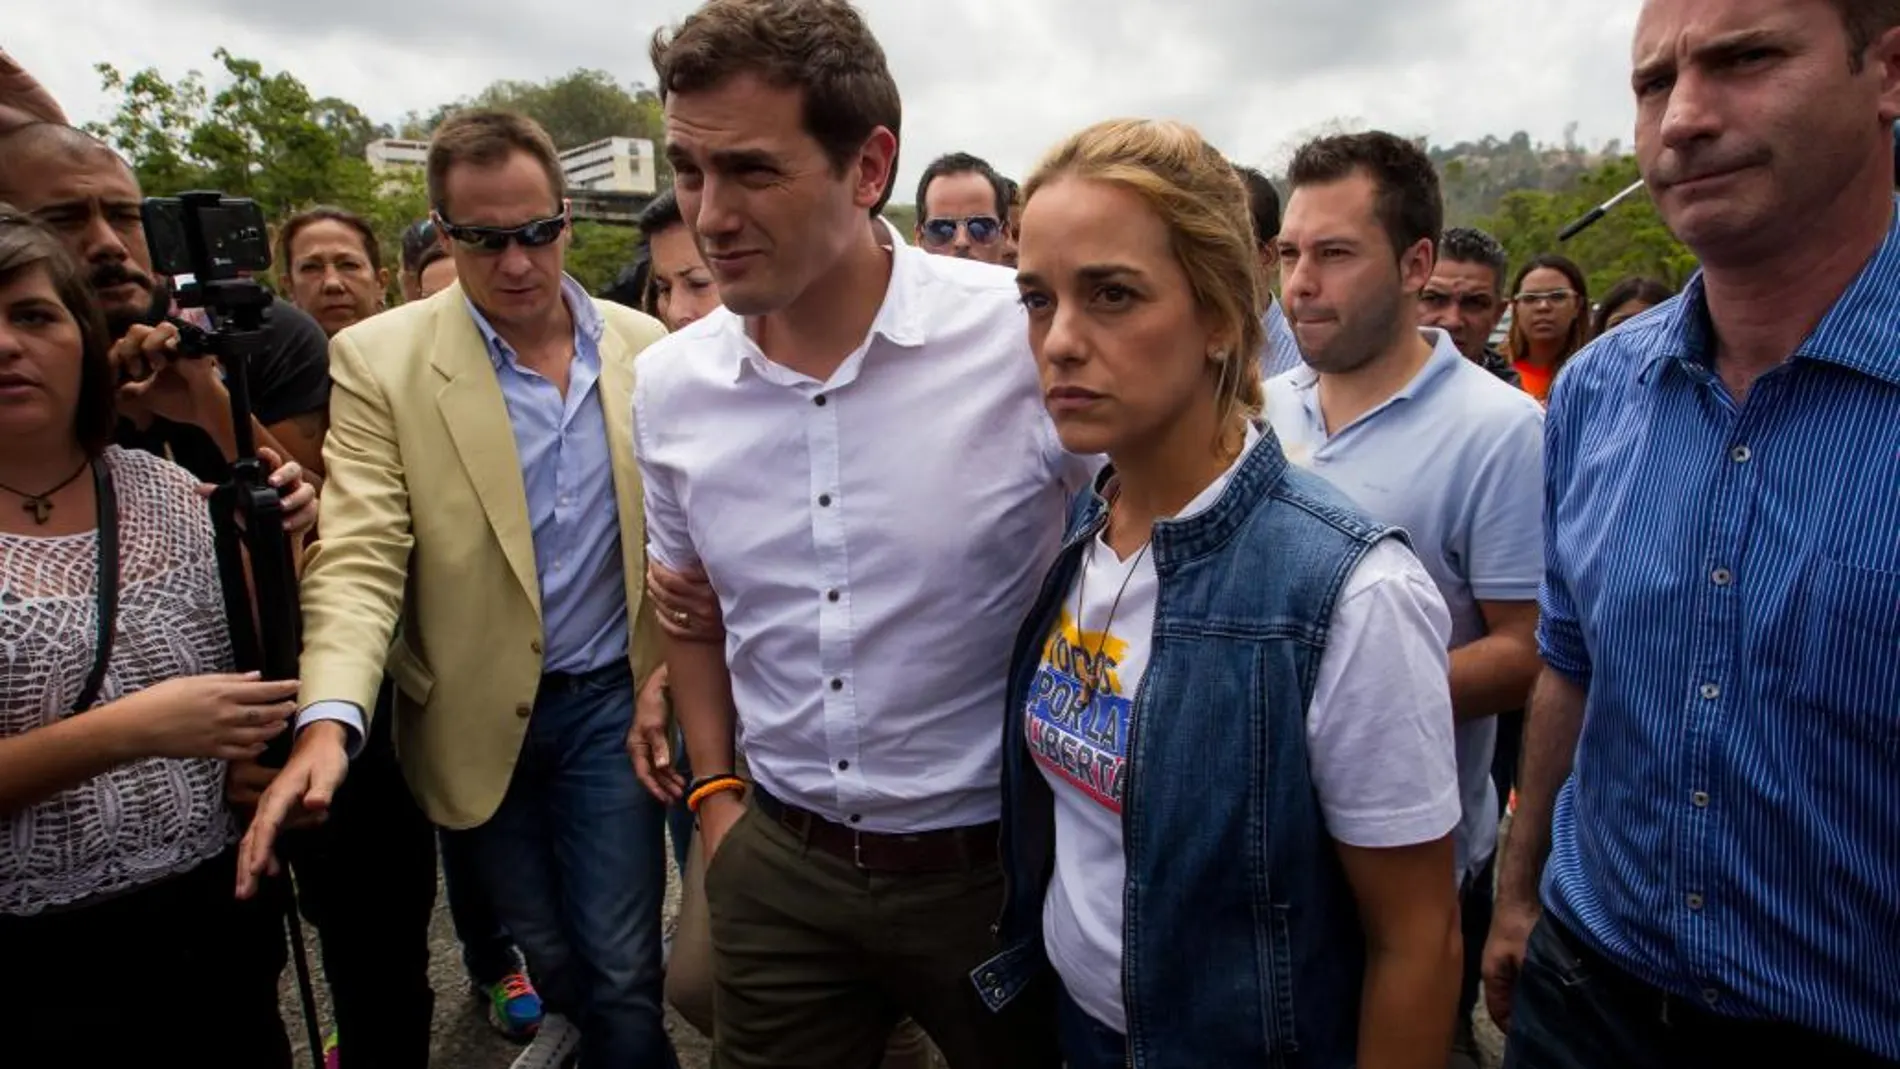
(1379, 731)
(669, 540)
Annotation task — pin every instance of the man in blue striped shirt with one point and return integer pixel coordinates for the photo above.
(1279, 351)
(1721, 604)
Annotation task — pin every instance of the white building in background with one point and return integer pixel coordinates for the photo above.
(394, 154)
(612, 165)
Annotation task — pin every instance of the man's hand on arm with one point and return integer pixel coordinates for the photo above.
(685, 604)
(1552, 724)
(1494, 674)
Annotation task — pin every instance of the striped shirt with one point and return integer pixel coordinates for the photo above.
(1724, 579)
(1279, 350)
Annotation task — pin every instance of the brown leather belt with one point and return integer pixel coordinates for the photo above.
(945, 850)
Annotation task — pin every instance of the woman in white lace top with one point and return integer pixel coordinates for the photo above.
(116, 846)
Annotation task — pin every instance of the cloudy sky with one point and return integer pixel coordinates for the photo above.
(1001, 78)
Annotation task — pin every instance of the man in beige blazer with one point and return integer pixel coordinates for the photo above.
(482, 541)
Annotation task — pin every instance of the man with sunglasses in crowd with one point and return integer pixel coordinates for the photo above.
(483, 492)
(963, 209)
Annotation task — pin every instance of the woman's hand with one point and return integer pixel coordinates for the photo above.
(224, 717)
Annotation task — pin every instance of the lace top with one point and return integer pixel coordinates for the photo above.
(151, 818)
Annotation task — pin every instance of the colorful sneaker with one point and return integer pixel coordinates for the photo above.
(331, 1059)
(514, 1008)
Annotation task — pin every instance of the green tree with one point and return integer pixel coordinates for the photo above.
(352, 129)
(260, 136)
(599, 253)
(152, 126)
(903, 217)
(576, 108)
(1630, 240)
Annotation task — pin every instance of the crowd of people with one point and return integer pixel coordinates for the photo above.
(1105, 626)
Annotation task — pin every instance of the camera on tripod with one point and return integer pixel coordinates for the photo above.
(219, 242)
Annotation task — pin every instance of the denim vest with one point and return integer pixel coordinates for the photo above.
(1241, 936)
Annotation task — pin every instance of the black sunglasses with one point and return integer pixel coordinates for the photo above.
(942, 231)
(531, 235)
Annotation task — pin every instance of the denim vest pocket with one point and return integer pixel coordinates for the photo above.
(1850, 664)
(1000, 979)
(1279, 970)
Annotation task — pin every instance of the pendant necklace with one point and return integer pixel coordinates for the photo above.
(40, 506)
(1093, 669)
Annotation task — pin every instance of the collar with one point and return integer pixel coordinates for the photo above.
(902, 319)
(1444, 360)
(1260, 471)
(587, 323)
(1861, 331)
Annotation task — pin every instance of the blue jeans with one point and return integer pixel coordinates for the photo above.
(1086, 1042)
(575, 862)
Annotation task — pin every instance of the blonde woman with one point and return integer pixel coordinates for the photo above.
(1229, 781)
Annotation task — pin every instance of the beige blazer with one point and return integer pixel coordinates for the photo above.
(425, 521)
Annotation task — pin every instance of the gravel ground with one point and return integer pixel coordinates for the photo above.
(463, 1039)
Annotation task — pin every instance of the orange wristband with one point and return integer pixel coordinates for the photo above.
(711, 787)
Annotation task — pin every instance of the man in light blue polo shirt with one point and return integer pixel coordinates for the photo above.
(1420, 437)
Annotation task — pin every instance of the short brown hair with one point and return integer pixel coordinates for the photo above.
(1200, 197)
(486, 137)
(821, 47)
(1407, 200)
(324, 213)
(1865, 20)
(26, 245)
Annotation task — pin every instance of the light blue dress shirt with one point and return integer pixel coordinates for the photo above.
(567, 471)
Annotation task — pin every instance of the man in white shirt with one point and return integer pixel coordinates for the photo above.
(1420, 437)
(854, 450)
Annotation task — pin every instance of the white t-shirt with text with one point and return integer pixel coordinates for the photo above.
(1379, 735)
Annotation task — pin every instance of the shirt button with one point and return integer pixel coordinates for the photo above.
(535, 645)
(844, 766)
(1721, 577)
(1711, 692)
(831, 595)
(1740, 454)
(856, 817)
(1701, 799)
(824, 501)
(837, 684)
(1695, 901)
(1711, 996)
(819, 400)
(524, 710)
